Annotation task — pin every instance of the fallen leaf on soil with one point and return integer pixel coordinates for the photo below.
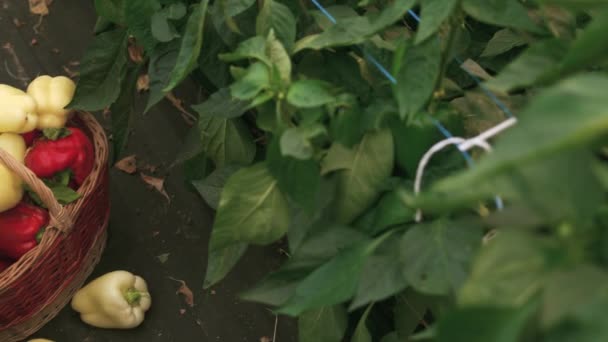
(177, 103)
(155, 233)
(265, 339)
(136, 53)
(55, 50)
(156, 183)
(70, 72)
(127, 164)
(20, 70)
(18, 22)
(143, 83)
(33, 42)
(182, 311)
(163, 258)
(40, 7)
(185, 291)
(149, 168)
(74, 63)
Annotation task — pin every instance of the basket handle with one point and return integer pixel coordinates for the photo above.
(59, 217)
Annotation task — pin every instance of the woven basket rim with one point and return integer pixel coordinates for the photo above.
(98, 137)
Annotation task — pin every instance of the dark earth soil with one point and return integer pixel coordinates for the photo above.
(143, 225)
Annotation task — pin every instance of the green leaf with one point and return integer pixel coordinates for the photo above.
(64, 194)
(388, 212)
(191, 44)
(138, 17)
(391, 337)
(436, 256)
(226, 141)
(503, 40)
(382, 275)
(113, 10)
(102, 72)
(278, 17)
(359, 185)
(332, 283)
(327, 324)
(417, 77)
(538, 60)
(355, 30)
(254, 47)
(508, 271)
(577, 109)
(221, 260)
(410, 310)
(278, 57)
(221, 105)
(175, 11)
(338, 158)
(123, 112)
(233, 8)
(309, 93)
(482, 324)
(162, 30)
(294, 143)
(276, 288)
(211, 187)
(251, 209)
(298, 179)
(568, 293)
(434, 13)
(323, 241)
(505, 13)
(589, 49)
(361, 333)
(255, 80)
(160, 67)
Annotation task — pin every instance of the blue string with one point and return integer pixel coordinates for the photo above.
(393, 80)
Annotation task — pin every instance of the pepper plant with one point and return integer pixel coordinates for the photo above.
(305, 140)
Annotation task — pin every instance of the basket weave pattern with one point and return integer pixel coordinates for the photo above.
(40, 284)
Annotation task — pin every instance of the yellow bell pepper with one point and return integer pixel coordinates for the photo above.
(52, 94)
(116, 300)
(11, 190)
(17, 111)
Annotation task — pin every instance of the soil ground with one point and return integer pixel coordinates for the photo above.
(159, 240)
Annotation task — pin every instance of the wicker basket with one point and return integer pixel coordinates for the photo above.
(41, 283)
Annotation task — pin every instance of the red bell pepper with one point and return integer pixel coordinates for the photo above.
(4, 264)
(69, 149)
(21, 229)
(30, 137)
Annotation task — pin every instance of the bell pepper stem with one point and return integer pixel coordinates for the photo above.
(133, 296)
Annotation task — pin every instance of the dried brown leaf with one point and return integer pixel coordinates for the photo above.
(177, 103)
(136, 53)
(127, 164)
(18, 22)
(163, 258)
(33, 42)
(40, 7)
(265, 339)
(143, 83)
(185, 291)
(71, 73)
(55, 51)
(156, 183)
(74, 63)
